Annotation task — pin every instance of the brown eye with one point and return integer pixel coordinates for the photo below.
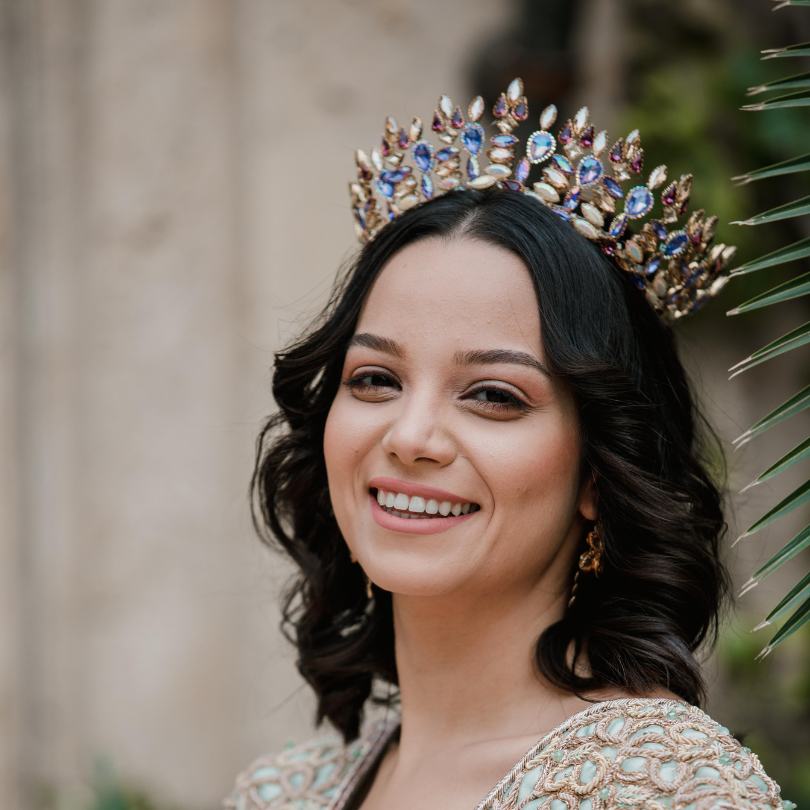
(497, 399)
(372, 381)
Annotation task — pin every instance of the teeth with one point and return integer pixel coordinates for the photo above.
(417, 505)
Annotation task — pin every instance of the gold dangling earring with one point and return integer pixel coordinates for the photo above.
(590, 561)
(369, 591)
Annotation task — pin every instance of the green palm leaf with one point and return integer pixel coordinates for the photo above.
(799, 452)
(796, 82)
(797, 208)
(795, 546)
(790, 166)
(799, 496)
(802, 49)
(798, 595)
(792, 288)
(791, 253)
(792, 340)
(799, 99)
(790, 407)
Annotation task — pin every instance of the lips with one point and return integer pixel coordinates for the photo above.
(420, 490)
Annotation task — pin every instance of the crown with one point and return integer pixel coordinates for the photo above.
(597, 190)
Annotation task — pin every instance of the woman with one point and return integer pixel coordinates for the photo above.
(488, 470)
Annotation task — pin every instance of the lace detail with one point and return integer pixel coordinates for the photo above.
(643, 753)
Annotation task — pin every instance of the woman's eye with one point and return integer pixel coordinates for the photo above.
(371, 381)
(498, 399)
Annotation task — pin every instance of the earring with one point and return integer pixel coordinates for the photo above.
(590, 561)
(369, 591)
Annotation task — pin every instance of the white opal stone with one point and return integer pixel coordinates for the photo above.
(728, 253)
(408, 201)
(483, 181)
(548, 117)
(391, 125)
(556, 178)
(632, 137)
(592, 214)
(585, 228)
(515, 90)
(476, 108)
(546, 192)
(658, 176)
(446, 105)
(361, 159)
(718, 285)
(416, 129)
(633, 250)
(500, 154)
(498, 170)
(600, 142)
(448, 183)
(376, 159)
(581, 118)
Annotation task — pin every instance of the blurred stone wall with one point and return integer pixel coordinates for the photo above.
(173, 207)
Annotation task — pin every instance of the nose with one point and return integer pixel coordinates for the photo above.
(417, 433)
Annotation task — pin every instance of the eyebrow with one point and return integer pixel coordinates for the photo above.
(466, 358)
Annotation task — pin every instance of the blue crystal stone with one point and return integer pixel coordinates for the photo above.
(503, 140)
(618, 225)
(427, 187)
(446, 153)
(361, 220)
(472, 137)
(638, 281)
(659, 229)
(522, 170)
(571, 200)
(512, 185)
(675, 244)
(423, 155)
(651, 269)
(395, 176)
(563, 164)
(561, 212)
(386, 189)
(639, 201)
(613, 188)
(540, 146)
(589, 171)
(472, 168)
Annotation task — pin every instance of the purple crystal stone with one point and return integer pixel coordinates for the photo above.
(695, 237)
(565, 133)
(521, 110)
(659, 229)
(512, 185)
(589, 171)
(438, 124)
(501, 107)
(639, 201)
(473, 137)
(586, 139)
(403, 140)
(522, 170)
(616, 152)
(608, 248)
(423, 155)
(637, 163)
(457, 119)
(668, 195)
(613, 188)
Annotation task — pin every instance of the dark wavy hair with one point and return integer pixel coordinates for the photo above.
(659, 597)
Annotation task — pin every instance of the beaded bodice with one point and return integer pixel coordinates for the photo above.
(644, 753)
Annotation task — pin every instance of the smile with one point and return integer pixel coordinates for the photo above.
(417, 515)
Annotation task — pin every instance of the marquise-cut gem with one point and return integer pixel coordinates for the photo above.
(408, 201)
(618, 225)
(395, 176)
(376, 159)
(512, 185)
(632, 137)
(585, 228)
(446, 106)
(427, 186)
(539, 146)
(592, 214)
(546, 192)
(476, 108)
(581, 118)
(563, 164)
(448, 183)
(522, 170)
(473, 137)
(613, 188)
(416, 129)
(386, 189)
(589, 171)
(659, 229)
(391, 125)
(501, 155)
(668, 195)
(548, 116)
(562, 213)
(446, 153)
(639, 202)
(503, 140)
(500, 108)
(515, 90)
(657, 176)
(616, 152)
(404, 140)
(482, 181)
(556, 178)
(599, 143)
(633, 250)
(637, 163)
(472, 167)
(675, 244)
(423, 155)
(571, 200)
(498, 170)
(652, 266)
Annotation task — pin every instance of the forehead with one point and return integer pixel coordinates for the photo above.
(459, 293)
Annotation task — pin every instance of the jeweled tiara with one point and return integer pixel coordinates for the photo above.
(676, 266)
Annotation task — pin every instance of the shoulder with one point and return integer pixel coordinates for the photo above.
(640, 752)
(308, 776)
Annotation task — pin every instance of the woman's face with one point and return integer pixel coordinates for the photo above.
(445, 400)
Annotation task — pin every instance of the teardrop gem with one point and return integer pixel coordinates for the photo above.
(476, 109)
(639, 202)
(565, 133)
(457, 119)
(586, 139)
(520, 112)
(563, 164)
(403, 139)
(423, 155)
(599, 143)
(427, 186)
(675, 244)
(548, 117)
(618, 225)
(616, 152)
(438, 124)
(522, 170)
(500, 108)
(472, 167)
(613, 188)
(376, 159)
(589, 171)
(503, 140)
(515, 89)
(473, 137)
(539, 146)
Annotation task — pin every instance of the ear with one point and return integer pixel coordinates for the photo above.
(588, 498)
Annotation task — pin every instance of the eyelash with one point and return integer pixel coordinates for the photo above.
(356, 384)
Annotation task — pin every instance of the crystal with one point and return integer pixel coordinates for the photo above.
(659, 229)
(515, 90)
(501, 155)
(503, 140)
(423, 155)
(633, 250)
(639, 202)
(600, 142)
(457, 119)
(651, 269)
(522, 170)
(386, 189)
(376, 159)
(362, 161)
(520, 112)
(498, 170)
(408, 201)
(448, 183)
(482, 181)
(446, 106)
(632, 137)
(657, 176)
(618, 225)
(446, 153)
(571, 200)
(473, 137)
(385, 148)
(403, 139)
(561, 212)
(512, 185)
(668, 195)
(675, 244)
(581, 118)
(557, 179)
(613, 188)
(548, 117)
(586, 139)
(500, 109)
(563, 164)
(557, 755)
(427, 186)
(438, 124)
(565, 133)
(592, 214)
(546, 192)
(637, 163)
(476, 109)
(589, 170)
(396, 176)
(472, 167)
(391, 126)
(616, 151)
(585, 228)
(539, 146)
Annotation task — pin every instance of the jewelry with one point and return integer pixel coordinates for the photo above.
(582, 180)
(369, 591)
(590, 561)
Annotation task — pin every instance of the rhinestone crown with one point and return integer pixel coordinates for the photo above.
(582, 181)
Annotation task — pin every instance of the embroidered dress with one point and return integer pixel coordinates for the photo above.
(645, 753)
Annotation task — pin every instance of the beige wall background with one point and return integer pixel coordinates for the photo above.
(173, 207)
